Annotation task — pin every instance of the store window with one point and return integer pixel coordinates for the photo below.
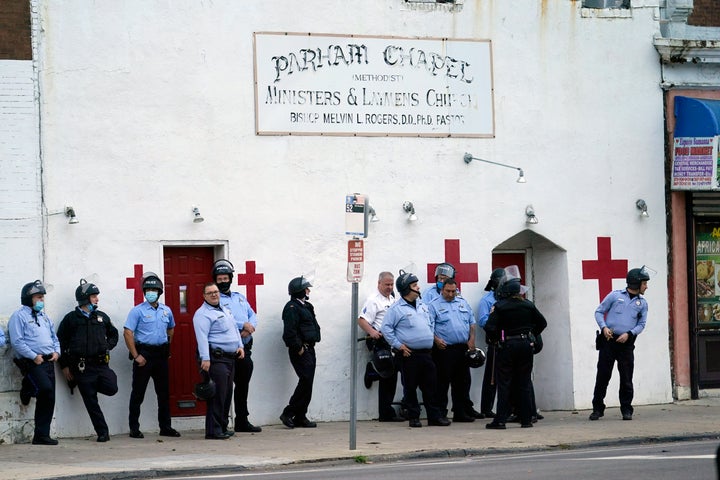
(707, 302)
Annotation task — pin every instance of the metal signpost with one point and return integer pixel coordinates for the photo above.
(357, 208)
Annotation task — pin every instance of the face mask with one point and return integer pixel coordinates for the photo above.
(151, 296)
(38, 306)
(439, 285)
(224, 286)
(91, 307)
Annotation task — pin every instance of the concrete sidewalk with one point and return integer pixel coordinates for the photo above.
(124, 457)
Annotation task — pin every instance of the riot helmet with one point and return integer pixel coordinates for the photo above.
(205, 390)
(223, 267)
(403, 282)
(496, 277)
(382, 362)
(445, 269)
(297, 286)
(151, 281)
(30, 289)
(636, 276)
(475, 357)
(84, 290)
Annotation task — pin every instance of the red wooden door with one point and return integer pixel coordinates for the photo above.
(187, 269)
(502, 260)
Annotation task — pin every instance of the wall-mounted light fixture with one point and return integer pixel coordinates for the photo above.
(642, 206)
(197, 218)
(70, 213)
(530, 219)
(521, 175)
(410, 210)
(373, 216)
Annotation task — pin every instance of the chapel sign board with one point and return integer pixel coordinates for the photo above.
(324, 84)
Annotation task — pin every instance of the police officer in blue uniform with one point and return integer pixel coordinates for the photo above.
(37, 348)
(442, 272)
(407, 327)
(86, 337)
(246, 322)
(148, 332)
(513, 324)
(454, 329)
(219, 344)
(301, 332)
(621, 317)
(489, 386)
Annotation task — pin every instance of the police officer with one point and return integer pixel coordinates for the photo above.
(442, 272)
(148, 332)
(621, 317)
(301, 332)
(86, 337)
(407, 328)
(246, 322)
(454, 330)
(511, 324)
(370, 320)
(489, 387)
(37, 348)
(219, 344)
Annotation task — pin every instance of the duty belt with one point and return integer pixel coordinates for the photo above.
(522, 336)
(219, 353)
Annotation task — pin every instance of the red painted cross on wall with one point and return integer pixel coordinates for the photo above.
(251, 280)
(604, 269)
(135, 283)
(464, 272)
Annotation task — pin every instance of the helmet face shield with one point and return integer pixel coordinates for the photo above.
(223, 267)
(445, 269)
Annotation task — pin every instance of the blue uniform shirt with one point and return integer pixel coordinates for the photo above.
(215, 328)
(2, 338)
(429, 295)
(150, 325)
(452, 320)
(484, 307)
(240, 310)
(406, 325)
(623, 313)
(31, 335)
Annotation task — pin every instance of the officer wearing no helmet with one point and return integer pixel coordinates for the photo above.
(301, 332)
(148, 332)
(621, 317)
(454, 328)
(219, 344)
(32, 336)
(408, 329)
(246, 322)
(383, 366)
(443, 272)
(86, 337)
(511, 323)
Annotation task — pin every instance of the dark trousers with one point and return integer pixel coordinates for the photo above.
(157, 369)
(222, 371)
(386, 394)
(304, 366)
(41, 380)
(513, 370)
(453, 372)
(489, 385)
(418, 371)
(243, 373)
(609, 353)
(96, 379)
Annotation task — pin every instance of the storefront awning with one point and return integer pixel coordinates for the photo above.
(696, 117)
